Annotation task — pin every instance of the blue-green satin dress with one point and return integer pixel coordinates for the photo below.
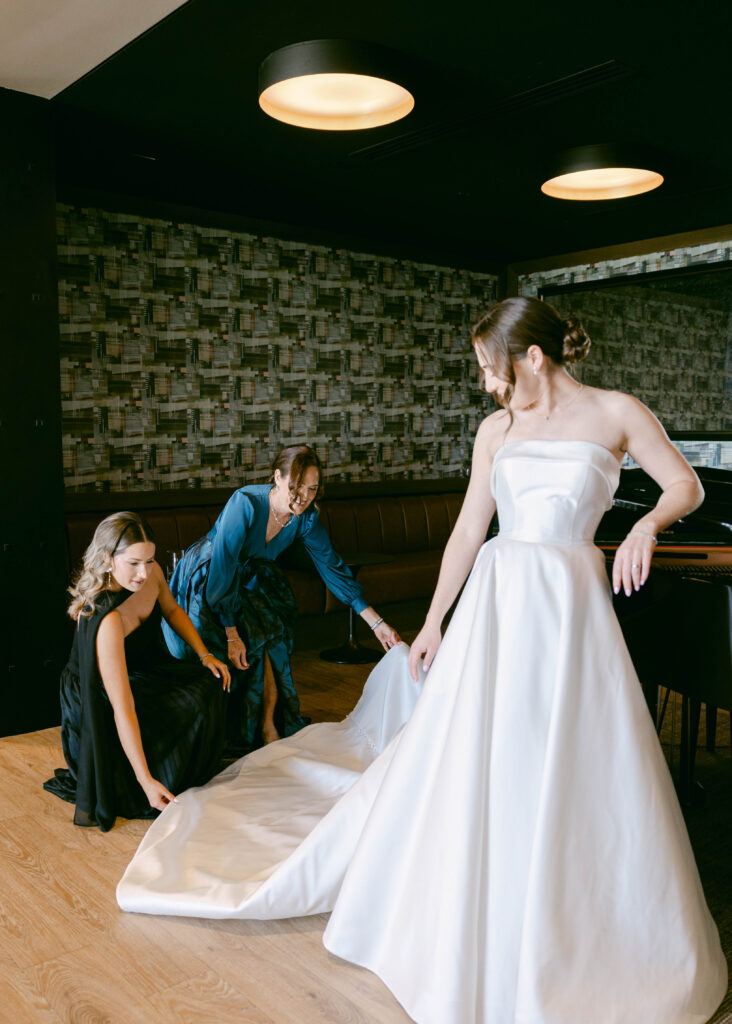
(229, 578)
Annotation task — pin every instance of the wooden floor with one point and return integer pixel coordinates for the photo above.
(68, 953)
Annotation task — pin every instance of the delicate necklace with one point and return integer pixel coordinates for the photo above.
(274, 513)
(530, 406)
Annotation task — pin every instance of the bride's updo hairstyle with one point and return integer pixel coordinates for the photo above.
(507, 330)
(292, 463)
(114, 535)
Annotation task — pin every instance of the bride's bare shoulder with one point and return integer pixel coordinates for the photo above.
(618, 403)
(491, 432)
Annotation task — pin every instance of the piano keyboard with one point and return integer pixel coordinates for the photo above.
(694, 568)
(687, 559)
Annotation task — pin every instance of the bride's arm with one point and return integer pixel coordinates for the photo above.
(681, 491)
(462, 548)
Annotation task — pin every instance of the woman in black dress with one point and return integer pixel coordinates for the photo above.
(137, 725)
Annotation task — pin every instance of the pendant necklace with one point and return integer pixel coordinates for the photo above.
(530, 406)
(274, 513)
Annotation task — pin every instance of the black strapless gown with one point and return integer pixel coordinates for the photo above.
(180, 708)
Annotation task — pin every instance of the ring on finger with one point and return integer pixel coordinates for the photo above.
(635, 566)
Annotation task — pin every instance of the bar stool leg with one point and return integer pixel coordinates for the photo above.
(351, 652)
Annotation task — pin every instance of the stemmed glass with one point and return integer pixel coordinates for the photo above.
(173, 558)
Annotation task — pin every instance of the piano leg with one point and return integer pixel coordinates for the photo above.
(711, 727)
(651, 692)
(689, 790)
(660, 715)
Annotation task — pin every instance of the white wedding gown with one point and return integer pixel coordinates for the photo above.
(515, 854)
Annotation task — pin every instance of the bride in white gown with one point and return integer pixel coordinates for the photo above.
(514, 853)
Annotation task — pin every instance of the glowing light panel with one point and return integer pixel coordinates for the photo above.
(336, 101)
(602, 183)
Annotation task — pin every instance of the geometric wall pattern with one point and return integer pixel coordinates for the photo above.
(668, 350)
(627, 266)
(190, 355)
(671, 350)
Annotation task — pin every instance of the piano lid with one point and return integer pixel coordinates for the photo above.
(637, 493)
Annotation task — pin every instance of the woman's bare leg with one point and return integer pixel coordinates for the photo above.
(269, 700)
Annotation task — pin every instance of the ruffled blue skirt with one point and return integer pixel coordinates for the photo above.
(266, 621)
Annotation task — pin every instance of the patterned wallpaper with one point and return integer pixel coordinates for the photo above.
(671, 349)
(190, 355)
(671, 259)
(668, 350)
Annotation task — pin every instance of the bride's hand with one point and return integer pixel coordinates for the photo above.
(428, 640)
(632, 561)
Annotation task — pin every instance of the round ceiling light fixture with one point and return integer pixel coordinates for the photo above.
(333, 84)
(600, 172)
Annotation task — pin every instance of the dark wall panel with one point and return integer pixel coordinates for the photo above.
(33, 631)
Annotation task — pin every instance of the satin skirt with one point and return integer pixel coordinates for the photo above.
(273, 834)
(513, 854)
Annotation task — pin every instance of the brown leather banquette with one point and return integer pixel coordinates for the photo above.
(411, 521)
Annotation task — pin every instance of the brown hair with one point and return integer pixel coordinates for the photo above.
(292, 463)
(114, 534)
(508, 329)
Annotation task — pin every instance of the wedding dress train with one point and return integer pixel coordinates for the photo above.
(514, 853)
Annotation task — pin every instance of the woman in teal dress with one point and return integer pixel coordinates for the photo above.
(241, 602)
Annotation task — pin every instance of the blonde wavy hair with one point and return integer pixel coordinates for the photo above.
(114, 534)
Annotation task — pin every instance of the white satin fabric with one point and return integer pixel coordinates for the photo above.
(515, 854)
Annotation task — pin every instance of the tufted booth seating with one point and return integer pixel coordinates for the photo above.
(410, 521)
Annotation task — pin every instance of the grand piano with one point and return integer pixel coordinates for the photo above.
(678, 627)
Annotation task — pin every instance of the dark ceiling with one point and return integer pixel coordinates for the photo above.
(173, 118)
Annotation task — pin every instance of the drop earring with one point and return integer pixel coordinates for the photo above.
(535, 371)
(109, 578)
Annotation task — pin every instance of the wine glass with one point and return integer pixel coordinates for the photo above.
(173, 558)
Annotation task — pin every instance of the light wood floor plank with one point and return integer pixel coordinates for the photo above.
(208, 999)
(253, 952)
(21, 761)
(21, 999)
(40, 917)
(88, 877)
(288, 989)
(96, 984)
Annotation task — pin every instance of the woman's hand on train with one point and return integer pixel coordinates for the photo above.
(387, 636)
(158, 796)
(426, 644)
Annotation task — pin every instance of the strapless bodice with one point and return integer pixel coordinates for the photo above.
(553, 492)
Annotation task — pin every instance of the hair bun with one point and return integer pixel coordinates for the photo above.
(576, 342)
